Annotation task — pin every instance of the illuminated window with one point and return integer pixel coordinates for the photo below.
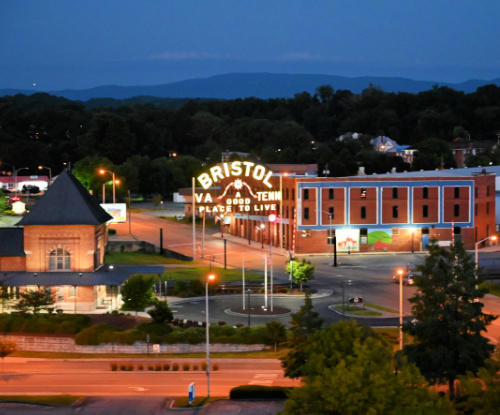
(60, 259)
(363, 193)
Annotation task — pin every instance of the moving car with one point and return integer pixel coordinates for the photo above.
(407, 278)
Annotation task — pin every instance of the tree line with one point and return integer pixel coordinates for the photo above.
(151, 140)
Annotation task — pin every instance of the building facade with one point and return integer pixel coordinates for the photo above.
(379, 213)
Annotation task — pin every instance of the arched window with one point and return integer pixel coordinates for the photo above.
(60, 259)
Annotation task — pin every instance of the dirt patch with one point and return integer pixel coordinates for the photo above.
(121, 322)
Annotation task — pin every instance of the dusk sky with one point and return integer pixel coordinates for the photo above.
(55, 44)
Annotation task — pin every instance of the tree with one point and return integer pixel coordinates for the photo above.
(137, 292)
(161, 312)
(275, 333)
(350, 370)
(301, 271)
(480, 394)
(304, 323)
(35, 301)
(449, 320)
(6, 347)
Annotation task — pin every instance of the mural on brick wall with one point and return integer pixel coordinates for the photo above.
(380, 240)
(347, 240)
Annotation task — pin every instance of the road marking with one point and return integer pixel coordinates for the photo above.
(138, 389)
(263, 379)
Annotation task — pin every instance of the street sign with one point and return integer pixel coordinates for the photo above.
(156, 348)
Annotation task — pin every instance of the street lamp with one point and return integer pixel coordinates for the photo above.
(211, 277)
(102, 171)
(400, 273)
(50, 172)
(492, 237)
(15, 176)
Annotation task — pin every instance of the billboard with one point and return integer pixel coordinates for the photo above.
(117, 210)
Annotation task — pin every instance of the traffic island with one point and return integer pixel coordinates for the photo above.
(259, 311)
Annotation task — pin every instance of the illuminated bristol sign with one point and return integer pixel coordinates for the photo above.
(237, 196)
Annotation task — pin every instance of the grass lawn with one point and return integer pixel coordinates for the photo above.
(59, 400)
(139, 258)
(263, 354)
(200, 273)
(358, 311)
(379, 307)
(198, 401)
(493, 288)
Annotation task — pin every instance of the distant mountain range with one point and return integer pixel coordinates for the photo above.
(258, 85)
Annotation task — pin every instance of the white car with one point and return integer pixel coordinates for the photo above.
(407, 279)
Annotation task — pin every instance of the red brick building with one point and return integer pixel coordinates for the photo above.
(60, 245)
(394, 212)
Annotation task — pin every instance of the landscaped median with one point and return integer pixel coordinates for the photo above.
(367, 310)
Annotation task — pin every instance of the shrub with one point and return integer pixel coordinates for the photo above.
(221, 323)
(95, 335)
(166, 366)
(151, 367)
(140, 367)
(259, 392)
(130, 367)
(215, 367)
(195, 367)
(175, 367)
(158, 367)
(185, 367)
(204, 366)
(123, 367)
(114, 367)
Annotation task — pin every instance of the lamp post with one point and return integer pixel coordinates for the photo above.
(15, 176)
(400, 273)
(331, 240)
(102, 171)
(50, 172)
(248, 292)
(207, 329)
(493, 238)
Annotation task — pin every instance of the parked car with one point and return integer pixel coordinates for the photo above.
(407, 279)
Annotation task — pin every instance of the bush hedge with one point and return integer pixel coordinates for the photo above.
(44, 323)
(259, 392)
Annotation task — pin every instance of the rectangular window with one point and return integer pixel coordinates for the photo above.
(425, 211)
(487, 190)
(306, 213)
(394, 211)
(425, 193)
(293, 194)
(363, 193)
(475, 192)
(330, 212)
(306, 194)
(287, 193)
(457, 192)
(73, 291)
(330, 194)
(487, 208)
(456, 210)
(363, 212)
(394, 192)
(475, 209)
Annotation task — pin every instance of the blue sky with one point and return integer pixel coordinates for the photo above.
(59, 44)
